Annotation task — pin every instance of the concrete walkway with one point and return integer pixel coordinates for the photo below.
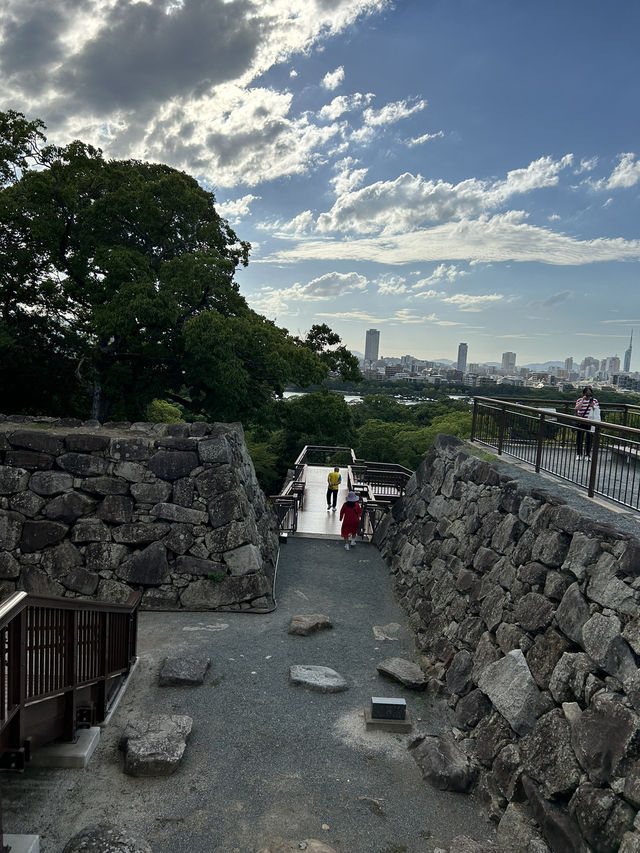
(267, 760)
(314, 520)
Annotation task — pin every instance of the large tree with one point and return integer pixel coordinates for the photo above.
(117, 279)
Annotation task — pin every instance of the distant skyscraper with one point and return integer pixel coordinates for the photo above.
(462, 357)
(509, 362)
(568, 364)
(371, 345)
(627, 356)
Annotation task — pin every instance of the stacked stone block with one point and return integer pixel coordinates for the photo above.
(98, 511)
(527, 614)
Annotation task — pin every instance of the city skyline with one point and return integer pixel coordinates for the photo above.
(507, 360)
(433, 170)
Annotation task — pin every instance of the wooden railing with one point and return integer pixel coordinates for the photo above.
(549, 440)
(61, 663)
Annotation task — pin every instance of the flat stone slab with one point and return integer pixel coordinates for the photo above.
(22, 843)
(303, 625)
(186, 671)
(105, 838)
(319, 678)
(155, 746)
(404, 671)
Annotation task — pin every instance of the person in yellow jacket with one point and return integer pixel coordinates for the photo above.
(333, 484)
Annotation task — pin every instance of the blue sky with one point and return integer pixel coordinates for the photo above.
(459, 170)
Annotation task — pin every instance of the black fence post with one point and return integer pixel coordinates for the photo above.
(501, 429)
(541, 432)
(595, 447)
(473, 418)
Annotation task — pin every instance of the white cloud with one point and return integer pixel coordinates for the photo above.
(333, 79)
(442, 274)
(235, 210)
(392, 112)
(586, 165)
(347, 178)
(626, 173)
(430, 294)
(344, 104)
(503, 237)
(273, 301)
(128, 77)
(248, 138)
(470, 302)
(426, 137)
(409, 200)
(391, 285)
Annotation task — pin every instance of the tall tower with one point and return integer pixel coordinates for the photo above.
(462, 358)
(508, 362)
(627, 355)
(372, 343)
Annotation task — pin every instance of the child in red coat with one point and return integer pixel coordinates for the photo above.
(350, 513)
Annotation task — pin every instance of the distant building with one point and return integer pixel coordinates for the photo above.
(372, 345)
(627, 355)
(462, 358)
(508, 362)
(568, 364)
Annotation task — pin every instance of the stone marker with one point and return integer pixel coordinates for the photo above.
(304, 625)
(105, 838)
(319, 678)
(154, 747)
(176, 672)
(404, 671)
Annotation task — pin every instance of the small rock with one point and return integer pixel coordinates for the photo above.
(443, 765)
(303, 625)
(404, 671)
(183, 671)
(310, 845)
(154, 747)
(319, 678)
(105, 838)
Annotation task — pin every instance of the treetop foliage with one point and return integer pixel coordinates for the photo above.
(117, 288)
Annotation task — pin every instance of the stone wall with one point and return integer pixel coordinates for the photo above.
(97, 511)
(527, 614)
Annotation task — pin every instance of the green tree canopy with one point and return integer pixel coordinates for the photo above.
(117, 288)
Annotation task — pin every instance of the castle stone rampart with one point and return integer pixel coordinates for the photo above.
(96, 511)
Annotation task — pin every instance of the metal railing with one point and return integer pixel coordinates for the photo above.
(61, 664)
(372, 515)
(286, 507)
(552, 441)
(377, 480)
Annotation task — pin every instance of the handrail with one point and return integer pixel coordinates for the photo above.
(553, 442)
(62, 662)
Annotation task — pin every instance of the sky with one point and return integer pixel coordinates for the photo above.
(440, 170)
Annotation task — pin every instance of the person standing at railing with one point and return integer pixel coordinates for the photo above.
(333, 484)
(586, 407)
(350, 513)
